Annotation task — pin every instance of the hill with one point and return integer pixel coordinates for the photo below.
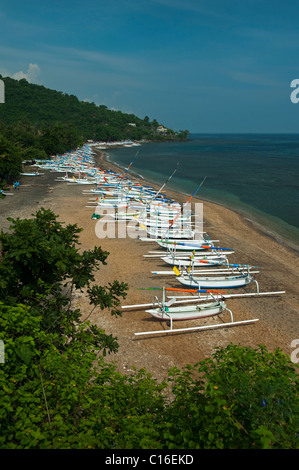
(37, 122)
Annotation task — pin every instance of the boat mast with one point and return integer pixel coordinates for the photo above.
(189, 199)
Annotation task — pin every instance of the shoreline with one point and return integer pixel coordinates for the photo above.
(249, 240)
(277, 326)
(252, 216)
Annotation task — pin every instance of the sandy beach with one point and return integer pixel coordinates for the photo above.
(278, 315)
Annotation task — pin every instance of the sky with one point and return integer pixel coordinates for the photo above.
(221, 66)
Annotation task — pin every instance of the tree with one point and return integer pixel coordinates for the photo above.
(43, 108)
(59, 138)
(10, 160)
(41, 266)
(183, 134)
(240, 398)
(60, 394)
(57, 394)
(32, 153)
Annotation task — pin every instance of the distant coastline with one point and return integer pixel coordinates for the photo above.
(254, 200)
(106, 162)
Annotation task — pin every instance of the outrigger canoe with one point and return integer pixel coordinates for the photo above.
(215, 282)
(197, 261)
(189, 312)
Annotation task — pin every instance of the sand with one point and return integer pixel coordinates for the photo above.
(278, 315)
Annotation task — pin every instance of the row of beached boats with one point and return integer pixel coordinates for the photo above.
(201, 268)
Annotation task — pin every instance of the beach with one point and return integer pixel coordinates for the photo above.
(279, 271)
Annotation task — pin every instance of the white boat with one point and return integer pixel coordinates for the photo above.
(187, 312)
(189, 255)
(215, 282)
(83, 181)
(123, 215)
(5, 194)
(112, 201)
(167, 312)
(157, 224)
(186, 245)
(212, 260)
(171, 233)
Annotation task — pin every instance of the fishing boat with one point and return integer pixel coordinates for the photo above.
(214, 282)
(165, 311)
(194, 245)
(157, 223)
(168, 312)
(195, 296)
(171, 233)
(125, 214)
(36, 173)
(187, 312)
(211, 260)
(5, 194)
(189, 255)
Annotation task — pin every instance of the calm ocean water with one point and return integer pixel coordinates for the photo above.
(255, 174)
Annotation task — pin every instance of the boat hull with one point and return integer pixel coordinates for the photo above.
(187, 234)
(214, 282)
(212, 261)
(179, 246)
(187, 312)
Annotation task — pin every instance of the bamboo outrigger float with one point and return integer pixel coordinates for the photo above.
(193, 328)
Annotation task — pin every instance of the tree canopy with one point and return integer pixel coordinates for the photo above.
(39, 122)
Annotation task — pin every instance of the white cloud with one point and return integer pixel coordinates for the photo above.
(31, 75)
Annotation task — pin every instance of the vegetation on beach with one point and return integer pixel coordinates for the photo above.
(36, 122)
(57, 391)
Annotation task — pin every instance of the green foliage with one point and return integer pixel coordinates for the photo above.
(40, 122)
(58, 138)
(66, 396)
(10, 160)
(183, 134)
(242, 398)
(41, 266)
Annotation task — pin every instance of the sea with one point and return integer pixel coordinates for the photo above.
(256, 175)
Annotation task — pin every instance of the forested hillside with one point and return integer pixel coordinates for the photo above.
(36, 122)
